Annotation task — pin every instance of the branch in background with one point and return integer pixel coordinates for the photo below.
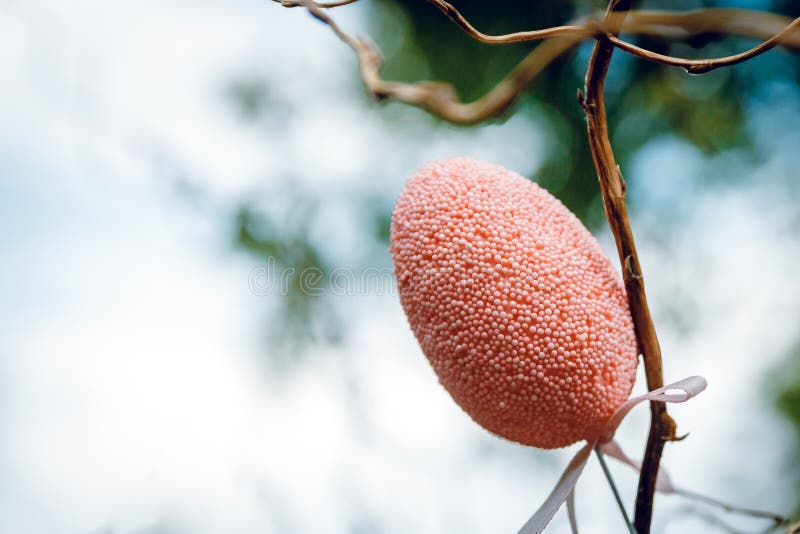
(711, 519)
(701, 66)
(590, 27)
(731, 21)
(440, 98)
(583, 30)
(612, 187)
(777, 519)
(323, 5)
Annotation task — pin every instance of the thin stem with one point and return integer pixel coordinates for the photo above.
(614, 489)
(680, 25)
(590, 27)
(557, 31)
(323, 5)
(612, 187)
(701, 66)
(440, 98)
(776, 518)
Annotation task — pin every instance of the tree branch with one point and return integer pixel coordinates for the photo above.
(731, 21)
(777, 519)
(703, 21)
(701, 66)
(583, 30)
(612, 186)
(439, 98)
(323, 5)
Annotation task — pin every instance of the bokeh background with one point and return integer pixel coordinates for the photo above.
(158, 157)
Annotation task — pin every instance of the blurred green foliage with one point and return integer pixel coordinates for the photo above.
(285, 246)
(644, 100)
(784, 384)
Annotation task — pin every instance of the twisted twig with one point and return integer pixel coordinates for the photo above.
(575, 30)
(598, 30)
(721, 20)
(612, 186)
(777, 519)
(323, 5)
(700, 66)
(440, 98)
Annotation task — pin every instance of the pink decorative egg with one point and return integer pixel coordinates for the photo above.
(516, 306)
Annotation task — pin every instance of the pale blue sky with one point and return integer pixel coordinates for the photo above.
(132, 399)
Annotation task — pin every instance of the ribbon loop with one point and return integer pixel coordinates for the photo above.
(680, 391)
(689, 387)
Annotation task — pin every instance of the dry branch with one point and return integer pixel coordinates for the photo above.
(701, 66)
(590, 27)
(612, 187)
(323, 5)
(777, 519)
(441, 100)
(729, 21)
(574, 30)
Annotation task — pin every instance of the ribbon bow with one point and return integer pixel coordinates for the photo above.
(680, 391)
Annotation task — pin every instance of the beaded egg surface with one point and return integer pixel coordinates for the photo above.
(514, 303)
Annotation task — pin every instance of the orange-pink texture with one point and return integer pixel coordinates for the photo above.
(513, 301)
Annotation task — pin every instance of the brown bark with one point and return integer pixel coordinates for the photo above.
(612, 186)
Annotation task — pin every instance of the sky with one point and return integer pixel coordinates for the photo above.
(133, 395)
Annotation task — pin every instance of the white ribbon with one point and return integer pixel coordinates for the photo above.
(573, 521)
(680, 391)
(663, 482)
(563, 489)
